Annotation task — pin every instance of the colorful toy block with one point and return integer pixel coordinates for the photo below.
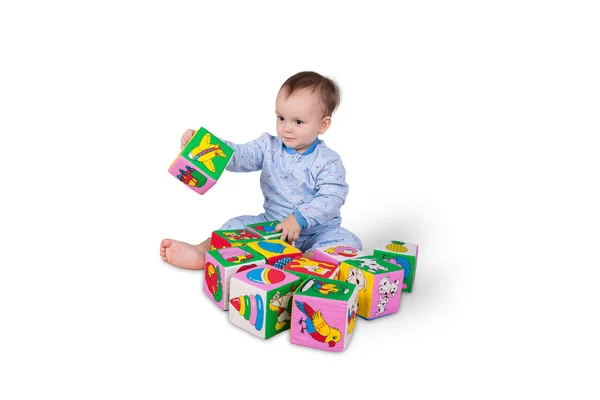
(202, 161)
(378, 283)
(266, 230)
(402, 254)
(274, 250)
(221, 265)
(308, 267)
(260, 300)
(337, 253)
(324, 314)
(232, 238)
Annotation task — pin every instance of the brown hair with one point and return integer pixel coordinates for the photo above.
(327, 90)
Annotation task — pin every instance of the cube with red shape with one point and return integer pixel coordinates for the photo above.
(306, 267)
(221, 265)
(337, 253)
(232, 238)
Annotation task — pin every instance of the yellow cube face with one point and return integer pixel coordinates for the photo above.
(274, 249)
(364, 283)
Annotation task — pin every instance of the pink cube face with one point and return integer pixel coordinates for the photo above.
(337, 253)
(190, 176)
(319, 323)
(387, 291)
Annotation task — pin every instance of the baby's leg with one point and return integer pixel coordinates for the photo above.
(189, 256)
(184, 255)
(330, 237)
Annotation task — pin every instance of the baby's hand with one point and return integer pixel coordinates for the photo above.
(187, 135)
(289, 228)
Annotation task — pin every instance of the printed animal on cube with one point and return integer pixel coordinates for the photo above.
(402, 254)
(202, 161)
(324, 314)
(378, 283)
(221, 265)
(260, 300)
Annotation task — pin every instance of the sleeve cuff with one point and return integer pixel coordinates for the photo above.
(301, 220)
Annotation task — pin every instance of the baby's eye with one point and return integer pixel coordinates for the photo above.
(299, 122)
(279, 117)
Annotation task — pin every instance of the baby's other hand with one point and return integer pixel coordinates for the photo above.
(187, 135)
(289, 229)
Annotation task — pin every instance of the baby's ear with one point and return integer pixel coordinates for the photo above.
(324, 125)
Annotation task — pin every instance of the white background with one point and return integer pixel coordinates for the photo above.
(466, 127)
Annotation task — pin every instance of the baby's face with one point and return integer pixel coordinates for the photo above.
(299, 118)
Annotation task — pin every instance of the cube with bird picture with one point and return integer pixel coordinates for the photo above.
(324, 314)
(221, 265)
(202, 161)
(378, 283)
(260, 300)
(400, 253)
(221, 239)
(337, 253)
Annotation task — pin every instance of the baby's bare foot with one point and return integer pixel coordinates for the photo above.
(181, 254)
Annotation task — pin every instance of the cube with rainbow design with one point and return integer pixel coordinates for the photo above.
(378, 283)
(202, 161)
(260, 300)
(337, 253)
(221, 239)
(400, 253)
(274, 250)
(324, 314)
(221, 265)
(266, 230)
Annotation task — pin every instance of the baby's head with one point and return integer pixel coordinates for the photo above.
(304, 106)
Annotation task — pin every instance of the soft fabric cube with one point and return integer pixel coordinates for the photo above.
(202, 161)
(260, 300)
(324, 314)
(306, 267)
(232, 238)
(274, 250)
(400, 253)
(266, 230)
(221, 265)
(337, 253)
(378, 283)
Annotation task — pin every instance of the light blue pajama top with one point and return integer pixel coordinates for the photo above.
(312, 185)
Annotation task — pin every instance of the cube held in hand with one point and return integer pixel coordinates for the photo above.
(221, 265)
(260, 300)
(202, 161)
(324, 314)
(378, 283)
(402, 254)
